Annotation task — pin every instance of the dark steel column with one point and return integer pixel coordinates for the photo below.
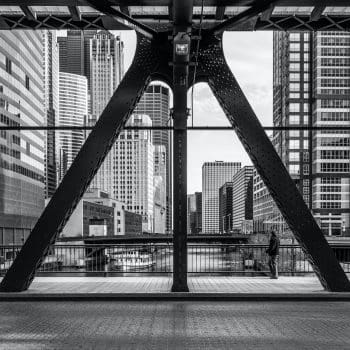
(181, 51)
(83, 169)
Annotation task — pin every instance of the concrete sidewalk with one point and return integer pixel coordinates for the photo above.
(158, 288)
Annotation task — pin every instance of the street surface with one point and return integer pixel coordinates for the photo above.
(175, 325)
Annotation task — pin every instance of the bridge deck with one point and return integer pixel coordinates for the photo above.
(159, 287)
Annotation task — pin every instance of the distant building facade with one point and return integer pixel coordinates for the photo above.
(134, 169)
(73, 112)
(22, 167)
(160, 188)
(97, 208)
(225, 207)
(51, 101)
(155, 103)
(214, 175)
(194, 213)
(242, 199)
(106, 71)
(311, 88)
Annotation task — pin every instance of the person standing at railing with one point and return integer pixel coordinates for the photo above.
(273, 252)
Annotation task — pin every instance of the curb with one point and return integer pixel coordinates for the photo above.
(316, 297)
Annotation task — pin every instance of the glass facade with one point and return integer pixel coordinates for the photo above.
(21, 152)
(311, 88)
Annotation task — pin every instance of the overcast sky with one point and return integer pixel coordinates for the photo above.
(250, 57)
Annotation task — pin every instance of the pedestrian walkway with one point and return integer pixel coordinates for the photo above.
(159, 287)
(179, 325)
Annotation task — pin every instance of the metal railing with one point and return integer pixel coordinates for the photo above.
(157, 258)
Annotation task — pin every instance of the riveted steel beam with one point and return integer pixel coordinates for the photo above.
(105, 7)
(182, 21)
(253, 11)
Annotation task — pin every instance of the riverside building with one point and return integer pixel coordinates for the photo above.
(311, 88)
(214, 175)
(22, 167)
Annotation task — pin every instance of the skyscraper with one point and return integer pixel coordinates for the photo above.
(51, 101)
(242, 198)
(21, 152)
(194, 213)
(159, 214)
(106, 71)
(134, 168)
(225, 207)
(214, 175)
(311, 88)
(75, 52)
(73, 112)
(155, 103)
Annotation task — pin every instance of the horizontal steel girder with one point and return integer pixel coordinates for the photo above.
(213, 68)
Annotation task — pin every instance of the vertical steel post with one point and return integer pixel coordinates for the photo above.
(181, 56)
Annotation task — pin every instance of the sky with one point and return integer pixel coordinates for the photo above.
(249, 55)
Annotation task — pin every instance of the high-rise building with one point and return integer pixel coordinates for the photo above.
(51, 101)
(194, 213)
(311, 88)
(21, 152)
(242, 200)
(74, 50)
(214, 175)
(225, 207)
(73, 112)
(134, 168)
(106, 71)
(155, 103)
(159, 208)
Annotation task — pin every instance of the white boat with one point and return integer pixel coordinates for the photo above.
(132, 260)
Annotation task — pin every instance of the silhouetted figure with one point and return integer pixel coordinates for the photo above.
(273, 252)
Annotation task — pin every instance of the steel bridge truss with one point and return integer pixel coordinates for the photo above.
(166, 57)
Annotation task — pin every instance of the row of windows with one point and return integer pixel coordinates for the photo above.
(335, 154)
(335, 72)
(339, 41)
(330, 205)
(11, 152)
(295, 107)
(335, 116)
(295, 56)
(335, 82)
(332, 91)
(297, 77)
(331, 188)
(335, 51)
(6, 120)
(21, 170)
(8, 67)
(294, 169)
(335, 167)
(330, 197)
(330, 180)
(331, 141)
(333, 62)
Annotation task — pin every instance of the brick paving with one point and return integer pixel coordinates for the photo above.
(162, 284)
(175, 325)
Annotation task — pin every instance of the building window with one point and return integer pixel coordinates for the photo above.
(294, 144)
(306, 169)
(8, 65)
(294, 119)
(27, 82)
(294, 156)
(294, 169)
(294, 107)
